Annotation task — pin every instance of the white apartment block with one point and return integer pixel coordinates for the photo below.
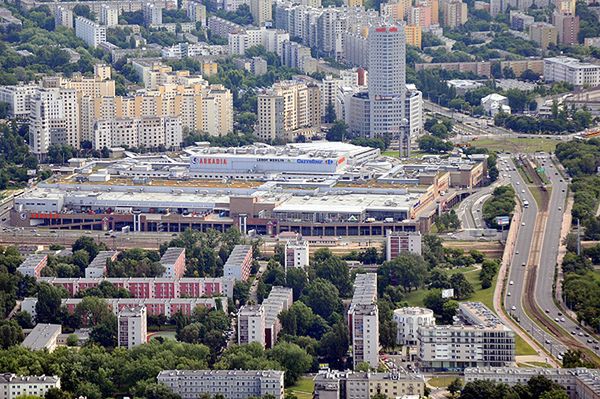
(63, 17)
(54, 119)
(90, 32)
(261, 323)
(18, 98)
(13, 386)
(222, 27)
(571, 70)
(196, 12)
(329, 91)
(402, 241)
(232, 384)
(478, 340)
(152, 14)
(296, 254)
(363, 321)
(233, 5)
(331, 384)
(148, 132)
(132, 326)
(580, 383)
(408, 320)
(413, 111)
(109, 16)
(251, 324)
(261, 11)
(271, 39)
(295, 55)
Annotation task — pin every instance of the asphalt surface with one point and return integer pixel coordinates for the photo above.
(545, 277)
(549, 251)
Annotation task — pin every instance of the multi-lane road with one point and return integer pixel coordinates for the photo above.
(534, 257)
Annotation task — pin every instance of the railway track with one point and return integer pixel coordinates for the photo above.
(529, 303)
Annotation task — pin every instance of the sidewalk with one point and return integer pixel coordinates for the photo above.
(562, 250)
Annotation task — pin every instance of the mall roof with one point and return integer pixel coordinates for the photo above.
(348, 203)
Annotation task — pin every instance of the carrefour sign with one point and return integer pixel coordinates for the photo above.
(316, 161)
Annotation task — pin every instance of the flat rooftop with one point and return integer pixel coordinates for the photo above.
(42, 336)
(349, 203)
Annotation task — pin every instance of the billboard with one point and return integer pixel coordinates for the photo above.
(225, 163)
(502, 220)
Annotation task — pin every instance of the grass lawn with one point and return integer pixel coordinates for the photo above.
(415, 298)
(514, 144)
(522, 348)
(164, 334)
(303, 389)
(396, 154)
(442, 382)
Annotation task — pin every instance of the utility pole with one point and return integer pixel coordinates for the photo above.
(578, 238)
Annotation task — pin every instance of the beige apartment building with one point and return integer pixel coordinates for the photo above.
(286, 108)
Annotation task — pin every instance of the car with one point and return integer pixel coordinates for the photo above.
(563, 190)
(511, 282)
(508, 293)
(586, 335)
(577, 328)
(590, 341)
(548, 342)
(513, 308)
(547, 310)
(580, 334)
(518, 183)
(574, 332)
(524, 264)
(559, 357)
(560, 314)
(556, 319)
(562, 319)
(523, 224)
(597, 347)
(559, 208)
(517, 252)
(523, 190)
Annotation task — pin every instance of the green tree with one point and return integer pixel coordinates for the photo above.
(57, 393)
(47, 308)
(455, 386)
(10, 334)
(444, 308)
(296, 279)
(462, 287)
(333, 269)
(337, 132)
(333, 347)
(241, 292)
(329, 116)
(294, 360)
(322, 297)
(407, 270)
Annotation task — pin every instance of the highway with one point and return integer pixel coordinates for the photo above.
(513, 295)
(546, 270)
(536, 250)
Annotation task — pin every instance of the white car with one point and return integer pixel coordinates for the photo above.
(511, 282)
(523, 191)
(508, 293)
(522, 223)
(513, 308)
(518, 183)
